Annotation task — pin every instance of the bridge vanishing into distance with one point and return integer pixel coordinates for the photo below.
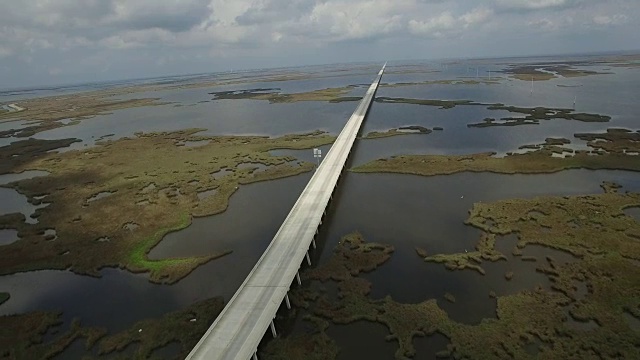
(240, 327)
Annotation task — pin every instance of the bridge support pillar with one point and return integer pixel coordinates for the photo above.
(298, 278)
(286, 299)
(273, 329)
(313, 242)
(255, 356)
(308, 258)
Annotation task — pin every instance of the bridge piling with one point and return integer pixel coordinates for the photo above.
(286, 299)
(238, 330)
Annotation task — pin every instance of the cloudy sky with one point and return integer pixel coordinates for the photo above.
(45, 42)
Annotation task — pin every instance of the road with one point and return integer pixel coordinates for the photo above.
(238, 330)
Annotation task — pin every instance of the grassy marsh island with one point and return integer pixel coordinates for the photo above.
(443, 82)
(42, 335)
(182, 327)
(49, 113)
(23, 336)
(535, 323)
(110, 204)
(275, 96)
(531, 115)
(543, 72)
(403, 130)
(614, 150)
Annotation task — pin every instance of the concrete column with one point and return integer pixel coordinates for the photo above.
(255, 356)
(273, 329)
(313, 242)
(298, 278)
(308, 258)
(286, 299)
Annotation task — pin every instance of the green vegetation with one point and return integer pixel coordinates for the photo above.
(535, 323)
(184, 327)
(531, 115)
(444, 82)
(613, 150)
(46, 113)
(617, 141)
(542, 72)
(403, 130)
(151, 180)
(535, 162)
(443, 104)
(485, 250)
(22, 336)
(275, 96)
(314, 344)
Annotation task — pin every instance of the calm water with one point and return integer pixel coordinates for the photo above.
(402, 210)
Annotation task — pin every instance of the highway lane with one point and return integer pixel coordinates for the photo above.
(238, 330)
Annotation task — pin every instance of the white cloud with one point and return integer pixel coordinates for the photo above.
(617, 19)
(476, 16)
(434, 26)
(75, 34)
(448, 25)
(543, 24)
(534, 4)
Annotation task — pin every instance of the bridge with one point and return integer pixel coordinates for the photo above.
(240, 327)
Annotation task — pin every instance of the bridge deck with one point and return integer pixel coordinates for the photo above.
(238, 330)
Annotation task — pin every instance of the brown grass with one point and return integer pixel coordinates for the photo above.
(126, 168)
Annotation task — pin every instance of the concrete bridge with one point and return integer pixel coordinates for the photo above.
(238, 330)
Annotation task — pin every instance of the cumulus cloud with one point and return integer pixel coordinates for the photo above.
(115, 37)
(448, 25)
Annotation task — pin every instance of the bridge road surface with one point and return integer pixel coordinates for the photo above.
(240, 327)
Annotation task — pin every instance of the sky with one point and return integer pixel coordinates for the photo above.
(46, 42)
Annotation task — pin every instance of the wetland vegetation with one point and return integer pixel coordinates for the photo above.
(615, 150)
(543, 72)
(403, 130)
(275, 96)
(593, 228)
(44, 335)
(109, 205)
(151, 181)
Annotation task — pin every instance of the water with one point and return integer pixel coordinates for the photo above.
(14, 202)
(403, 210)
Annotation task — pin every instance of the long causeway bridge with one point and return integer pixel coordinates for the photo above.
(239, 328)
